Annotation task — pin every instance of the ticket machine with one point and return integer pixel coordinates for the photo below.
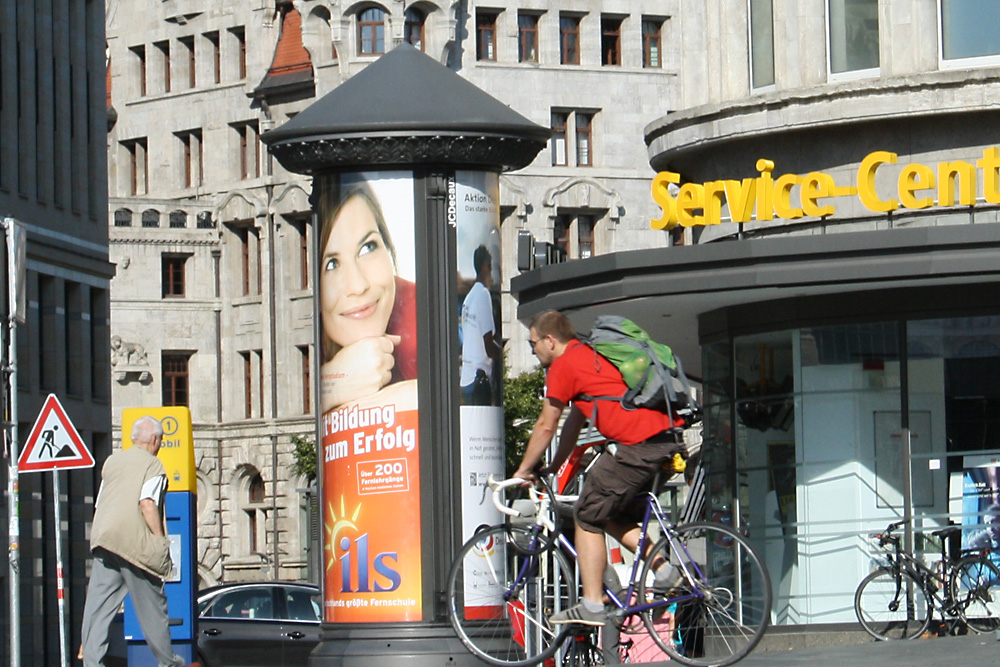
(177, 454)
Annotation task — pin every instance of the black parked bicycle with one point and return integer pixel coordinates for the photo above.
(897, 600)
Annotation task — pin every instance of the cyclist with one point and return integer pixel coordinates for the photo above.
(646, 438)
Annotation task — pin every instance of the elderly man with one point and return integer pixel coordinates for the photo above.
(130, 548)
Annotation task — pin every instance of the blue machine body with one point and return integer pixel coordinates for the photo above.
(180, 507)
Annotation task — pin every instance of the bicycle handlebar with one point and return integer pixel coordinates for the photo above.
(501, 485)
(886, 536)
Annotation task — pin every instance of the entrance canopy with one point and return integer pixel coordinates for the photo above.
(689, 295)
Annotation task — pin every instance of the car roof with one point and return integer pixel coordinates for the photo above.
(213, 590)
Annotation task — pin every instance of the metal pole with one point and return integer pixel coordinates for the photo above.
(907, 453)
(60, 580)
(13, 509)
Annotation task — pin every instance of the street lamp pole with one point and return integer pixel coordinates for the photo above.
(14, 236)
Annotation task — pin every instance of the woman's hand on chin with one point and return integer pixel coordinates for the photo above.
(358, 370)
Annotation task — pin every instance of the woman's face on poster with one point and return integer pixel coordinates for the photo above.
(357, 285)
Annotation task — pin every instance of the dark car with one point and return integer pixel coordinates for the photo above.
(269, 624)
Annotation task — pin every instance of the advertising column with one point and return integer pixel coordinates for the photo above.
(368, 393)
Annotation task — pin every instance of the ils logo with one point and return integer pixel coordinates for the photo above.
(356, 563)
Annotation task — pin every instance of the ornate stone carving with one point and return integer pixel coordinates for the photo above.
(129, 361)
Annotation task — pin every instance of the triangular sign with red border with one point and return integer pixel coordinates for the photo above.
(54, 443)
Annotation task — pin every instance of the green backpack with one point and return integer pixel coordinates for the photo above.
(653, 373)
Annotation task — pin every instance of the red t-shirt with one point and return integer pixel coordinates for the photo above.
(581, 370)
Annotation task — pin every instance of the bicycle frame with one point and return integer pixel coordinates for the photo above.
(688, 565)
(903, 561)
(709, 614)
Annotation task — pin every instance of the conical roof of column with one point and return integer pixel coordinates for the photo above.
(406, 109)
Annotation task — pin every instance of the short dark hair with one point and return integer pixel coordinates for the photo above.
(555, 324)
(482, 254)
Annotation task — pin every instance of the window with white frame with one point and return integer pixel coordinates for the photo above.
(970, 30)
(854, 42)
(761, 44)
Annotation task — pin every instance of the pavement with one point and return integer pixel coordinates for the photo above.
(924, 652)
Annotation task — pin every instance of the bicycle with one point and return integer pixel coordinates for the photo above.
(508, 579)
(898, 599)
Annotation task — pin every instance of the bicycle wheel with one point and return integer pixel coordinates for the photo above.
(582, 648)
(501, 592)
(891, 606)
(721, 610)
(973, 588)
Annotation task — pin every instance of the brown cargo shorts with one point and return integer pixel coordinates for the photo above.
(614, 487)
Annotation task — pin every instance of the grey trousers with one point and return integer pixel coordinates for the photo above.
(110, 579)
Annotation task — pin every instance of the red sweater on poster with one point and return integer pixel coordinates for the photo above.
(403, 323)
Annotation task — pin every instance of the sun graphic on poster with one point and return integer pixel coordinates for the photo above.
(336, 523)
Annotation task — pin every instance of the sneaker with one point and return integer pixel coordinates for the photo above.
(579, 615)
(667, 578)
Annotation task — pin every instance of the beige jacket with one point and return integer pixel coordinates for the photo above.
(118, 523)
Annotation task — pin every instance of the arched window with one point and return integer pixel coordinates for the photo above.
(413, 28)
(371, 32)
(252, 514)
(178, 219)
(150, 218)
(123, 218)
(205, 220)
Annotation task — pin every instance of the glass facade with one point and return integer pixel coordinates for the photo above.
(805, 440)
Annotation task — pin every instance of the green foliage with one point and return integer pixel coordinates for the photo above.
(522, 401)
(305, 456)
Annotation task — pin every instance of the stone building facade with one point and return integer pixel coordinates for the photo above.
(212, 240)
